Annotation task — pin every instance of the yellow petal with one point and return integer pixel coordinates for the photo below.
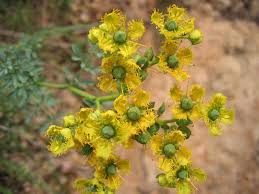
(136, 30)
(175, 13)
(215, 130)
(219, 99)
(176, 93)
(185, 56)
(121, 104)
(226, 116)
(170, 47)
(197, 92)
(132, 81)
(103, 150)
(183, 156)
(157, 18)
(106, 83)
(164, 164)
(141, 98)
(113, 20)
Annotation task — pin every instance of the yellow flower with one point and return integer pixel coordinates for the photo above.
(90, 186)
(134, 109)
(187, 105)
(172, 59)
(112, 35)
(181, 177)
(214, 113)
(61, 139)
(109, 171)
(173, 25)
(169, 150)
(118, 72)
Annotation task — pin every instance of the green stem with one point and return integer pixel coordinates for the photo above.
(98, 100)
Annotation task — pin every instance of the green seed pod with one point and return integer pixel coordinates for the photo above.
(143, 138)
(169, 150)
(195, 37)
(69, 121)
(182, 174)
(142, 62)
(171, 25)
(87, 150)
(153, 129)
(134, 113)
(111, 170)
(186, 131)
(186, 104)
(108, 132)
(213, 114)
(120, 37)
(118, 72)
(162, 180)
(149, 54)
(173, 61)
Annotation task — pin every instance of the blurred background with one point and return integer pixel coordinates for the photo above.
(54, 33)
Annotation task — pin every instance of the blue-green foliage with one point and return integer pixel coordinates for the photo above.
(20, 73)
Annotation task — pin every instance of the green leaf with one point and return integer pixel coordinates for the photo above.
(161, 109)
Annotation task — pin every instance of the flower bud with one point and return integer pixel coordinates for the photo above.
(171, 25)
(143, 138)
(120, 37)
(195, 37)
(153, 129)
(142, 62)
(169, 150)
(134, 113)
(108, 132)
(186, 104)
(173, 61)
(69, 121)
(182, 174)
(213, 114)
(118, 72)
(87, 149)
(154, 61)
(162, 180)
(149, 54)
(111, 170)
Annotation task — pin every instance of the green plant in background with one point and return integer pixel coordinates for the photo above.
(97, 130)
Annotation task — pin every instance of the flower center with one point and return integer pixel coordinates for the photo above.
(118, 72)
(173, 62)
(213, 114)
(134, 113)
(161, 179)
(87, 150)
(171, 25)
(111, 170)
(186, 103)
(120, 37)
(143, 138)
(182, 174)
(169, 150)
(108, 132)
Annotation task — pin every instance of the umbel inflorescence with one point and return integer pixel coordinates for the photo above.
(95, 132)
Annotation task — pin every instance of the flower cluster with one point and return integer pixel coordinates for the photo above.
(97, 132)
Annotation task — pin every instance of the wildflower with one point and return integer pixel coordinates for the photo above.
(214, 113)
(169, 150)
(173, 25)
(109, 171)
(61, 139)
(134, 109)
(112, 35)
(172, 59)
(118, 72)
(90, 186)
(182, 176)
(100, 131)
(187, 106)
